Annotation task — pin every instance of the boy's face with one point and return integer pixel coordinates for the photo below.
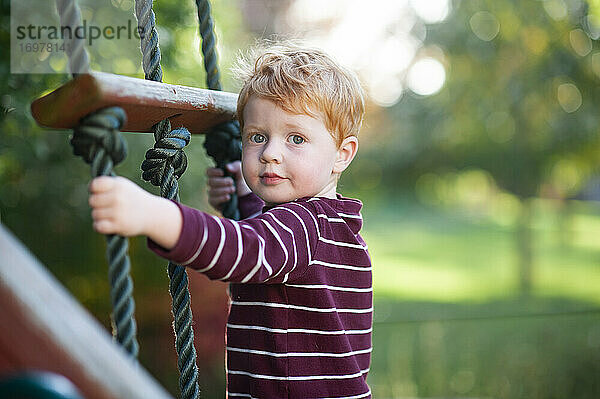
(286, 156)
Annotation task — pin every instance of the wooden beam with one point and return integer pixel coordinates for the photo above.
(44, 328)
(146, 102)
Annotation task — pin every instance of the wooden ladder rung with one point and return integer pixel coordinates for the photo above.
(145, 102)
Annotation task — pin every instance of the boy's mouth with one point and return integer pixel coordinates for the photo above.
(271, 178)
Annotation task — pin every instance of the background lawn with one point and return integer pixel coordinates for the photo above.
(449, 321)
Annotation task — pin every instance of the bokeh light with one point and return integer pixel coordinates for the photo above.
(580, 42)
(569, 97)
(426, 76)
(485, 25)
(556, 9)
(379, 40)
(431, 11)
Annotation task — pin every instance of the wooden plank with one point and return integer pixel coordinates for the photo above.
(44, 328)
(145, 102)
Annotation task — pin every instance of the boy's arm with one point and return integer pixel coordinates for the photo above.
(274, 247)
(121, 207)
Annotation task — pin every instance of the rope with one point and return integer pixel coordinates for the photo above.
(223, 142)
(70, 16)
(164, 164)
(97, 139)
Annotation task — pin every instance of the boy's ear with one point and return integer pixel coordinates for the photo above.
(346, 154)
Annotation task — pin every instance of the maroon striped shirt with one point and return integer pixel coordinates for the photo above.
(300, 320)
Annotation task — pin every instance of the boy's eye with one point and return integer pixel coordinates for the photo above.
(257, 138)
(295, 139)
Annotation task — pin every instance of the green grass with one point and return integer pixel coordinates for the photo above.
(433, 255)
(449, 320)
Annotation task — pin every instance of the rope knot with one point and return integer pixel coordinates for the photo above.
(97, 139)
(223, 143)
(166, 155)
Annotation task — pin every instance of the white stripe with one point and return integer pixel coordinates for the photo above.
(264, 258)
(219, 249)
(323, 216)
(297, 307)
(310, 213)
(305, 231)
(338, 199)
(364, 395)
(283, 226)
(240, 395)
(204, 238)
(299, 330)
(343, 244)
(339, 266)
(300, 354)
(281, 244)
(299, 378)
(253, 215)
(259, 256)
(240, 251)
(276, 234)
(331, 287)
(346, 215)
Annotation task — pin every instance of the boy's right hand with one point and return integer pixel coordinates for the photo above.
(220, 187)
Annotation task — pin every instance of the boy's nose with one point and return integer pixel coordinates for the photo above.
(271, 152)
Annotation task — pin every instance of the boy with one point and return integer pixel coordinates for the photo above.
(301, 295)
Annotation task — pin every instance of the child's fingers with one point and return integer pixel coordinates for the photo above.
(216, 201)
(235, 168)
(214, 172)
(104, 226)
(101, 183)
(100, 200)
(102, 214)
(220, 191)
(220, 181)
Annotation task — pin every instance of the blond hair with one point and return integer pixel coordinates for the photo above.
(302, 81)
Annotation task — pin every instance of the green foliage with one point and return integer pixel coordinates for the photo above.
(521, 95)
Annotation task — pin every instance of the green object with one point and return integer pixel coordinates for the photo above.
(38, 385)
(98, 141)
(163, 166)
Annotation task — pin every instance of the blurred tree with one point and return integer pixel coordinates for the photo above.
(519, 101)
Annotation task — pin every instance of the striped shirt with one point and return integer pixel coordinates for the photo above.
(300, 319)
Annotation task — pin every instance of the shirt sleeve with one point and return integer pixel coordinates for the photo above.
(250, 205)
(274, 247)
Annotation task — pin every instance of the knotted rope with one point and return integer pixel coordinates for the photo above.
(164, 164)
(223, 142)
(97, 139)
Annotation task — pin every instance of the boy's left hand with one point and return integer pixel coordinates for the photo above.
(119, 206)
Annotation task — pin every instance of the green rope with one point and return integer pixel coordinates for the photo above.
(98, 141)
(164, 164)
(223, 142)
